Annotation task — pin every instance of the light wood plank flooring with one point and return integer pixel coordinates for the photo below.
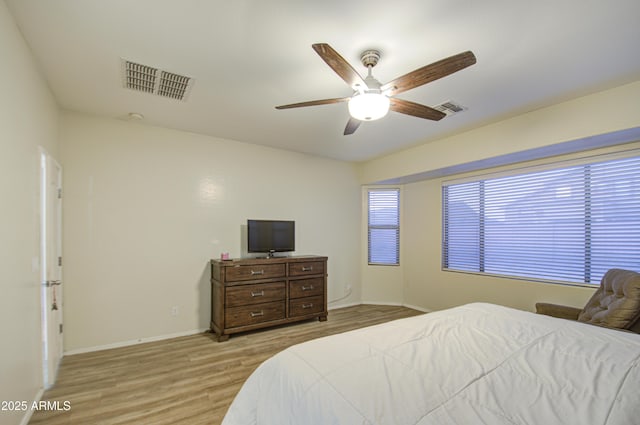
(190, 380)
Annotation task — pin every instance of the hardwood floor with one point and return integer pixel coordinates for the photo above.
(190, 380)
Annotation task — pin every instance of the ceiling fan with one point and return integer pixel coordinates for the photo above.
(372, 100)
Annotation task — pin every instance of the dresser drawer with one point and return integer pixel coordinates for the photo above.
(304, 306)
(306, 268)
(256, 271)
(250, 314)
(306, 287)
(255, 294)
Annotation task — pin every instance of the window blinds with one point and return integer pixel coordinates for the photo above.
(384, 226)
(569, 224)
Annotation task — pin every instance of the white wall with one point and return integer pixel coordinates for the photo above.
(601, 119)
(145, 208)
(28, 119)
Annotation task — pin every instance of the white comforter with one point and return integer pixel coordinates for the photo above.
(475, 364)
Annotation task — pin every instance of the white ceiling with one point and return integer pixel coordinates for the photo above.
(248, 56)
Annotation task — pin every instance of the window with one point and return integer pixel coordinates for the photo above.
(568, 224)
(384, 226)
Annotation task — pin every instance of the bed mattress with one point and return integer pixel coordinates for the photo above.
(474, 364)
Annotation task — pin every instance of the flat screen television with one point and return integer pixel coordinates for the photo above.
(271, 236)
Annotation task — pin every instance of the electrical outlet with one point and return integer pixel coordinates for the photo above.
(174, 310)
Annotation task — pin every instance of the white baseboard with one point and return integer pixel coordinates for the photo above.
(133, 342)
(29, 412)
(197, 331)
(397, 304)
(415, 307)
(335, 307)
(383, 303)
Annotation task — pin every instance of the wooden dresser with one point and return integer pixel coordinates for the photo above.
(255, 293)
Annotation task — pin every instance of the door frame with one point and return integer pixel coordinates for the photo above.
(50, 274)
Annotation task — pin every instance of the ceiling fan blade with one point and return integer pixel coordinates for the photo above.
(429, 73)
(339, 65)
(314, 103)
(352, 126)
(416, 110)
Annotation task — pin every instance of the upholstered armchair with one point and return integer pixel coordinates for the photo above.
(616, 304)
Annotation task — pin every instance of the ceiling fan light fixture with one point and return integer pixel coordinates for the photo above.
(372, 100)
(368, 106)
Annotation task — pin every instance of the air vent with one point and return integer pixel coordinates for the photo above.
(140, 77)
(173, 85)
(450, 107)
(155, 81)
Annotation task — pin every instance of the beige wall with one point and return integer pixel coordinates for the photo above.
(615, 118)
(145, 208)
(380, 284)
(28, 119)
(426, 286)
(586, 120)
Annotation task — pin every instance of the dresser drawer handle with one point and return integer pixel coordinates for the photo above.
(257, 294)
(306, 306)
(255, 272)
(307, 288)
(307, 269)
(257, 314)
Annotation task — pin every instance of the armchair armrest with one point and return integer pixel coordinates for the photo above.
(560, 311)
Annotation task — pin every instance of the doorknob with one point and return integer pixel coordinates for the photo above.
(49, 283)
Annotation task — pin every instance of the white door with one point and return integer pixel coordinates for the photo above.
(51, 265)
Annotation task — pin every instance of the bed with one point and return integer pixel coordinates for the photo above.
(474, 364)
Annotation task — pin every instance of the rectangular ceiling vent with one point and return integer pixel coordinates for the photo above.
(152, 80)
(450, 107)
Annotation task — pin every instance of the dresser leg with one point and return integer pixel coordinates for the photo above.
(322, 318)
(223, 337)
